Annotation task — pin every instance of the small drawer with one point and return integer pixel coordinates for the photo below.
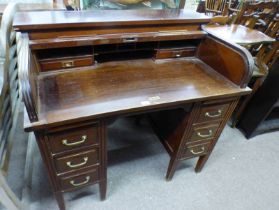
(203, 132)
(175, 53)
(64, 63)
(77, 161)
(196, 150)
(77, 181)
(213, 112)
(73, 138)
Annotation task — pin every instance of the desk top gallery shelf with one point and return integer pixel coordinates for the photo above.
(139, 61)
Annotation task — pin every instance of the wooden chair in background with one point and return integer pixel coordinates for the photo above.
(264, 55)
(257, 14)
(215, 7)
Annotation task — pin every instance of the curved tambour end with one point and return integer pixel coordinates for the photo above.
(27, 79)
(227, 58)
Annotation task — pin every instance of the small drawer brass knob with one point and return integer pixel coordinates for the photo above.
(67, 64)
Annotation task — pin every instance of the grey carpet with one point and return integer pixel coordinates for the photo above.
(239, 175)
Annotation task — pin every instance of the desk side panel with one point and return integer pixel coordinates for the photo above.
(230, 60)
(27, 79)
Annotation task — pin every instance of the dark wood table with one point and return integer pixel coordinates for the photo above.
(238, 34)
(81, 69)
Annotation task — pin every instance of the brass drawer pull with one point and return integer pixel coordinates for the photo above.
(69, 163)
(219, 113)
(87, 178)
(129, 39)
(83, 139)
(197, 152)
(205, 135)
(67, 64)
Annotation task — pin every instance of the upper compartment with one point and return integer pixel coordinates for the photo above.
(78, 27)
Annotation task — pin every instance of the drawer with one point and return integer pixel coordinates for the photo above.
(73, 138)
(77, 181)
(196, 150)
(77, 161)
(64, 63)
(213, 112)
(175, 53)
(203, 132)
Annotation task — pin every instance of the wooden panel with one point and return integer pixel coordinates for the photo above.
(77, 161)
(78, 181)
(73, 139)
(65, 63)
(175, 53)
(229, 61)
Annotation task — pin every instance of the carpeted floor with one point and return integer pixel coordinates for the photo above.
(240, 175)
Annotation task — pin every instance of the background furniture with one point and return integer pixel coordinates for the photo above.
(215, 7)
(9, 103)
(262, 112)
(123, 4)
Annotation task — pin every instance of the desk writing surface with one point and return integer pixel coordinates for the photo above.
(238, 34)
(128, 86)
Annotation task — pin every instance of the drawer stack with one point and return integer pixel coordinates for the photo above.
(76, 156)
(205, 129)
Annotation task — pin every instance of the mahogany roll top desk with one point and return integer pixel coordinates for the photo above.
(79, 70)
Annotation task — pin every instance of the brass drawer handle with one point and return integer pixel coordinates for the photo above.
(69, 163)
(67, 64)
(83, 139)
(219, 113)
(205, 135)
(129, 39)
(197, 152)
(87, 178)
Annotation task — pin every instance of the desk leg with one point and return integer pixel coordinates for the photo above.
(60, 200)
(103, 179)
(103, 189)
(171, 168)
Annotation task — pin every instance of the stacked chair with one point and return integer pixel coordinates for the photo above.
(9, 103)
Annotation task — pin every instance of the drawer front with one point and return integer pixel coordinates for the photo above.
(77, 161)
(78, 181)
(173, 53)
(73, 138)
(196, 150)
(66, 63)
(203, 132)
(212, 112)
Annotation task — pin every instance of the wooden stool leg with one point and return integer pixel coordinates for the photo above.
(103, 189)
(60, 200)
(171, 169)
